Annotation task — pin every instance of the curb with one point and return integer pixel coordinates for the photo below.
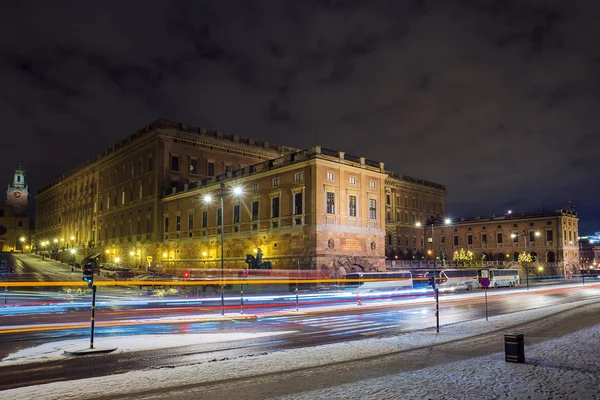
(86, 352)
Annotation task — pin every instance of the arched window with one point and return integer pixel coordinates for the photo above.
(534, 256)
(550, 257)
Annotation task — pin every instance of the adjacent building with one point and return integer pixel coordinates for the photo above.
(549, 236)
(14, 215)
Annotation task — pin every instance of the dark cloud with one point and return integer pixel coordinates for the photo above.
(497, 99)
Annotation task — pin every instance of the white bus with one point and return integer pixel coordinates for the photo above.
(503, 277)
(458, 279)
(368, 282)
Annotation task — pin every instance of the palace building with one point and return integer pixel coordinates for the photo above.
(143, 201)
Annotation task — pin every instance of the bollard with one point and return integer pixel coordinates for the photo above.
(358, 302)
(514, 348)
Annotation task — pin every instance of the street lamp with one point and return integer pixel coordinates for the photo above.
(524, 234)
(117, 260)
(237, 191)
(431, 221)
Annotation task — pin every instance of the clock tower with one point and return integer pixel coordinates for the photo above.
(17, 194)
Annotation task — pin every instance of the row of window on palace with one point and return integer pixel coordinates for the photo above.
(136, 169)
(425, 205)
(194, 164)
(298, 209)
(484, 238)
(128, 229)
(126, 195)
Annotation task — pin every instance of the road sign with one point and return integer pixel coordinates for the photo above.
(148, 258)
(485, 282)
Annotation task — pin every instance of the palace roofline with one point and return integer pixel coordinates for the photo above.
(162, 123)
(288, 159)
(515, 216)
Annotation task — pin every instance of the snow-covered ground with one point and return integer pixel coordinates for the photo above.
(564, 367)
(55, 350)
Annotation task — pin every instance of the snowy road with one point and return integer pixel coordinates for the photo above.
(561, 363)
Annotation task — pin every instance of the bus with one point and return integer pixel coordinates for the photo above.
(503, 277)
(368, 282)
(458, 279)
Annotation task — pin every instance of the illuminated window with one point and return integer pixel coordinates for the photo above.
(330, 203)
(352, 206)
(372, 209)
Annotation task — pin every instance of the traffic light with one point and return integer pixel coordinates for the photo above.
(186, 274)
(88, 273)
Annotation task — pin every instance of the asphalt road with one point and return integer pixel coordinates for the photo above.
(309, 329)
(128, 311)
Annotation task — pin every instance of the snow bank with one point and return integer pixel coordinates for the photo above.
(54, 350)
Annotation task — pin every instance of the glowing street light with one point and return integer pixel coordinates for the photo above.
(132, 253)
(73, 251)
(107, 251)
(117, 260)
(22, 240)
(204, 254)
(72, 238)
(165, 255)
(418, 224)
(237, 191)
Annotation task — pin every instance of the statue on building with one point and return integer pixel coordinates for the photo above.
(257, 262)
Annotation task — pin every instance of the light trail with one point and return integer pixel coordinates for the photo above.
(195, 282)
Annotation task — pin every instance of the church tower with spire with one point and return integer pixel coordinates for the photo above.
(17, 194)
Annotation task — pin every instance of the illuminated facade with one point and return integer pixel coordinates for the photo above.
(408, 201)
(548, 236)
(140, 201)
(313, 209)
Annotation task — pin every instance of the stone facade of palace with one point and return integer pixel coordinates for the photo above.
(141, 201)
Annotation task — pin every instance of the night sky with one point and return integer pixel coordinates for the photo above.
(499, 100)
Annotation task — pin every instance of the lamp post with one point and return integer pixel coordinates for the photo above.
(237, 191)
(436, 291)
(524, 234)
(73, 252)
